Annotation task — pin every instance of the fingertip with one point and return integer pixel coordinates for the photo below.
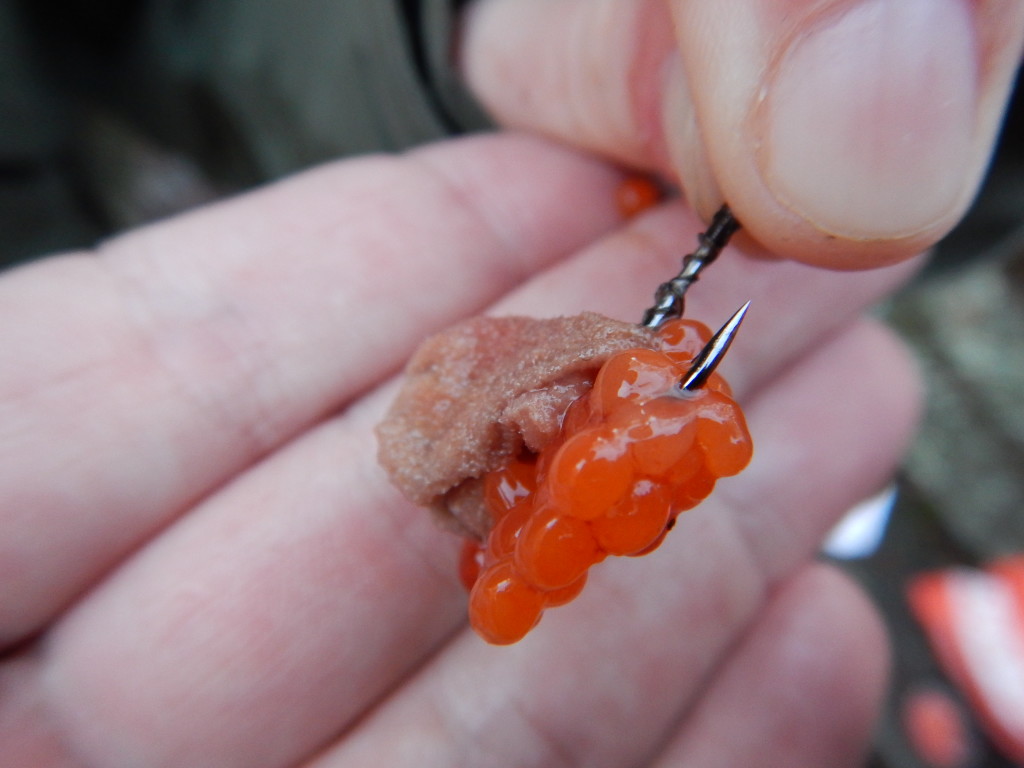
(850, 140)
(803, 688)
(772, 231)
(846, 135)
(839, 645)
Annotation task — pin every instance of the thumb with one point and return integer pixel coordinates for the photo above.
(843, 133)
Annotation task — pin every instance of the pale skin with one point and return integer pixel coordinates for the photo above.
(203, 565)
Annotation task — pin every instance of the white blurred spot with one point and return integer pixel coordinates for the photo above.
(861, 531)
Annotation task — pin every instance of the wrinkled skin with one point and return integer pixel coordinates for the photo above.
(203, 565)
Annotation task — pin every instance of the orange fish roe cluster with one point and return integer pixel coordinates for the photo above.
(633, 453)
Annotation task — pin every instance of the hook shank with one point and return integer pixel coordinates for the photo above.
(669, 298)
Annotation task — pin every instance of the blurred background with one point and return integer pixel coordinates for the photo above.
(119, 112)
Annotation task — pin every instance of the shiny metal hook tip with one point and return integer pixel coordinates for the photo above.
(709, 357)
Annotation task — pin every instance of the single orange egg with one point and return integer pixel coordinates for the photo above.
(636, 194)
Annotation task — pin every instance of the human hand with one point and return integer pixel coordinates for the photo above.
(204, 566)
(844, 134)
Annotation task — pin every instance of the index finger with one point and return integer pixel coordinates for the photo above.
(133, 382)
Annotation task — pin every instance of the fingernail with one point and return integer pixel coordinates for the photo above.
(869, 117)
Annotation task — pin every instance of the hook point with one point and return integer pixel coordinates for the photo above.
(711, 355)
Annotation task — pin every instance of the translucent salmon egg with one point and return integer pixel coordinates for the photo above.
(662, 437)
(501, 541)
(590, 472)
(722, 433)
(682, 339)
(502, 606)
(555, 550)
(555, 597)
(635, 195)
(636, 521)
(633, 375)
(689, 494)
(506, 487)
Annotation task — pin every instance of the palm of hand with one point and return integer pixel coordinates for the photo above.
(203, 564)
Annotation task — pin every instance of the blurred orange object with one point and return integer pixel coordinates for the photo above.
(934, 726)
(636, 194)
(974, 620)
